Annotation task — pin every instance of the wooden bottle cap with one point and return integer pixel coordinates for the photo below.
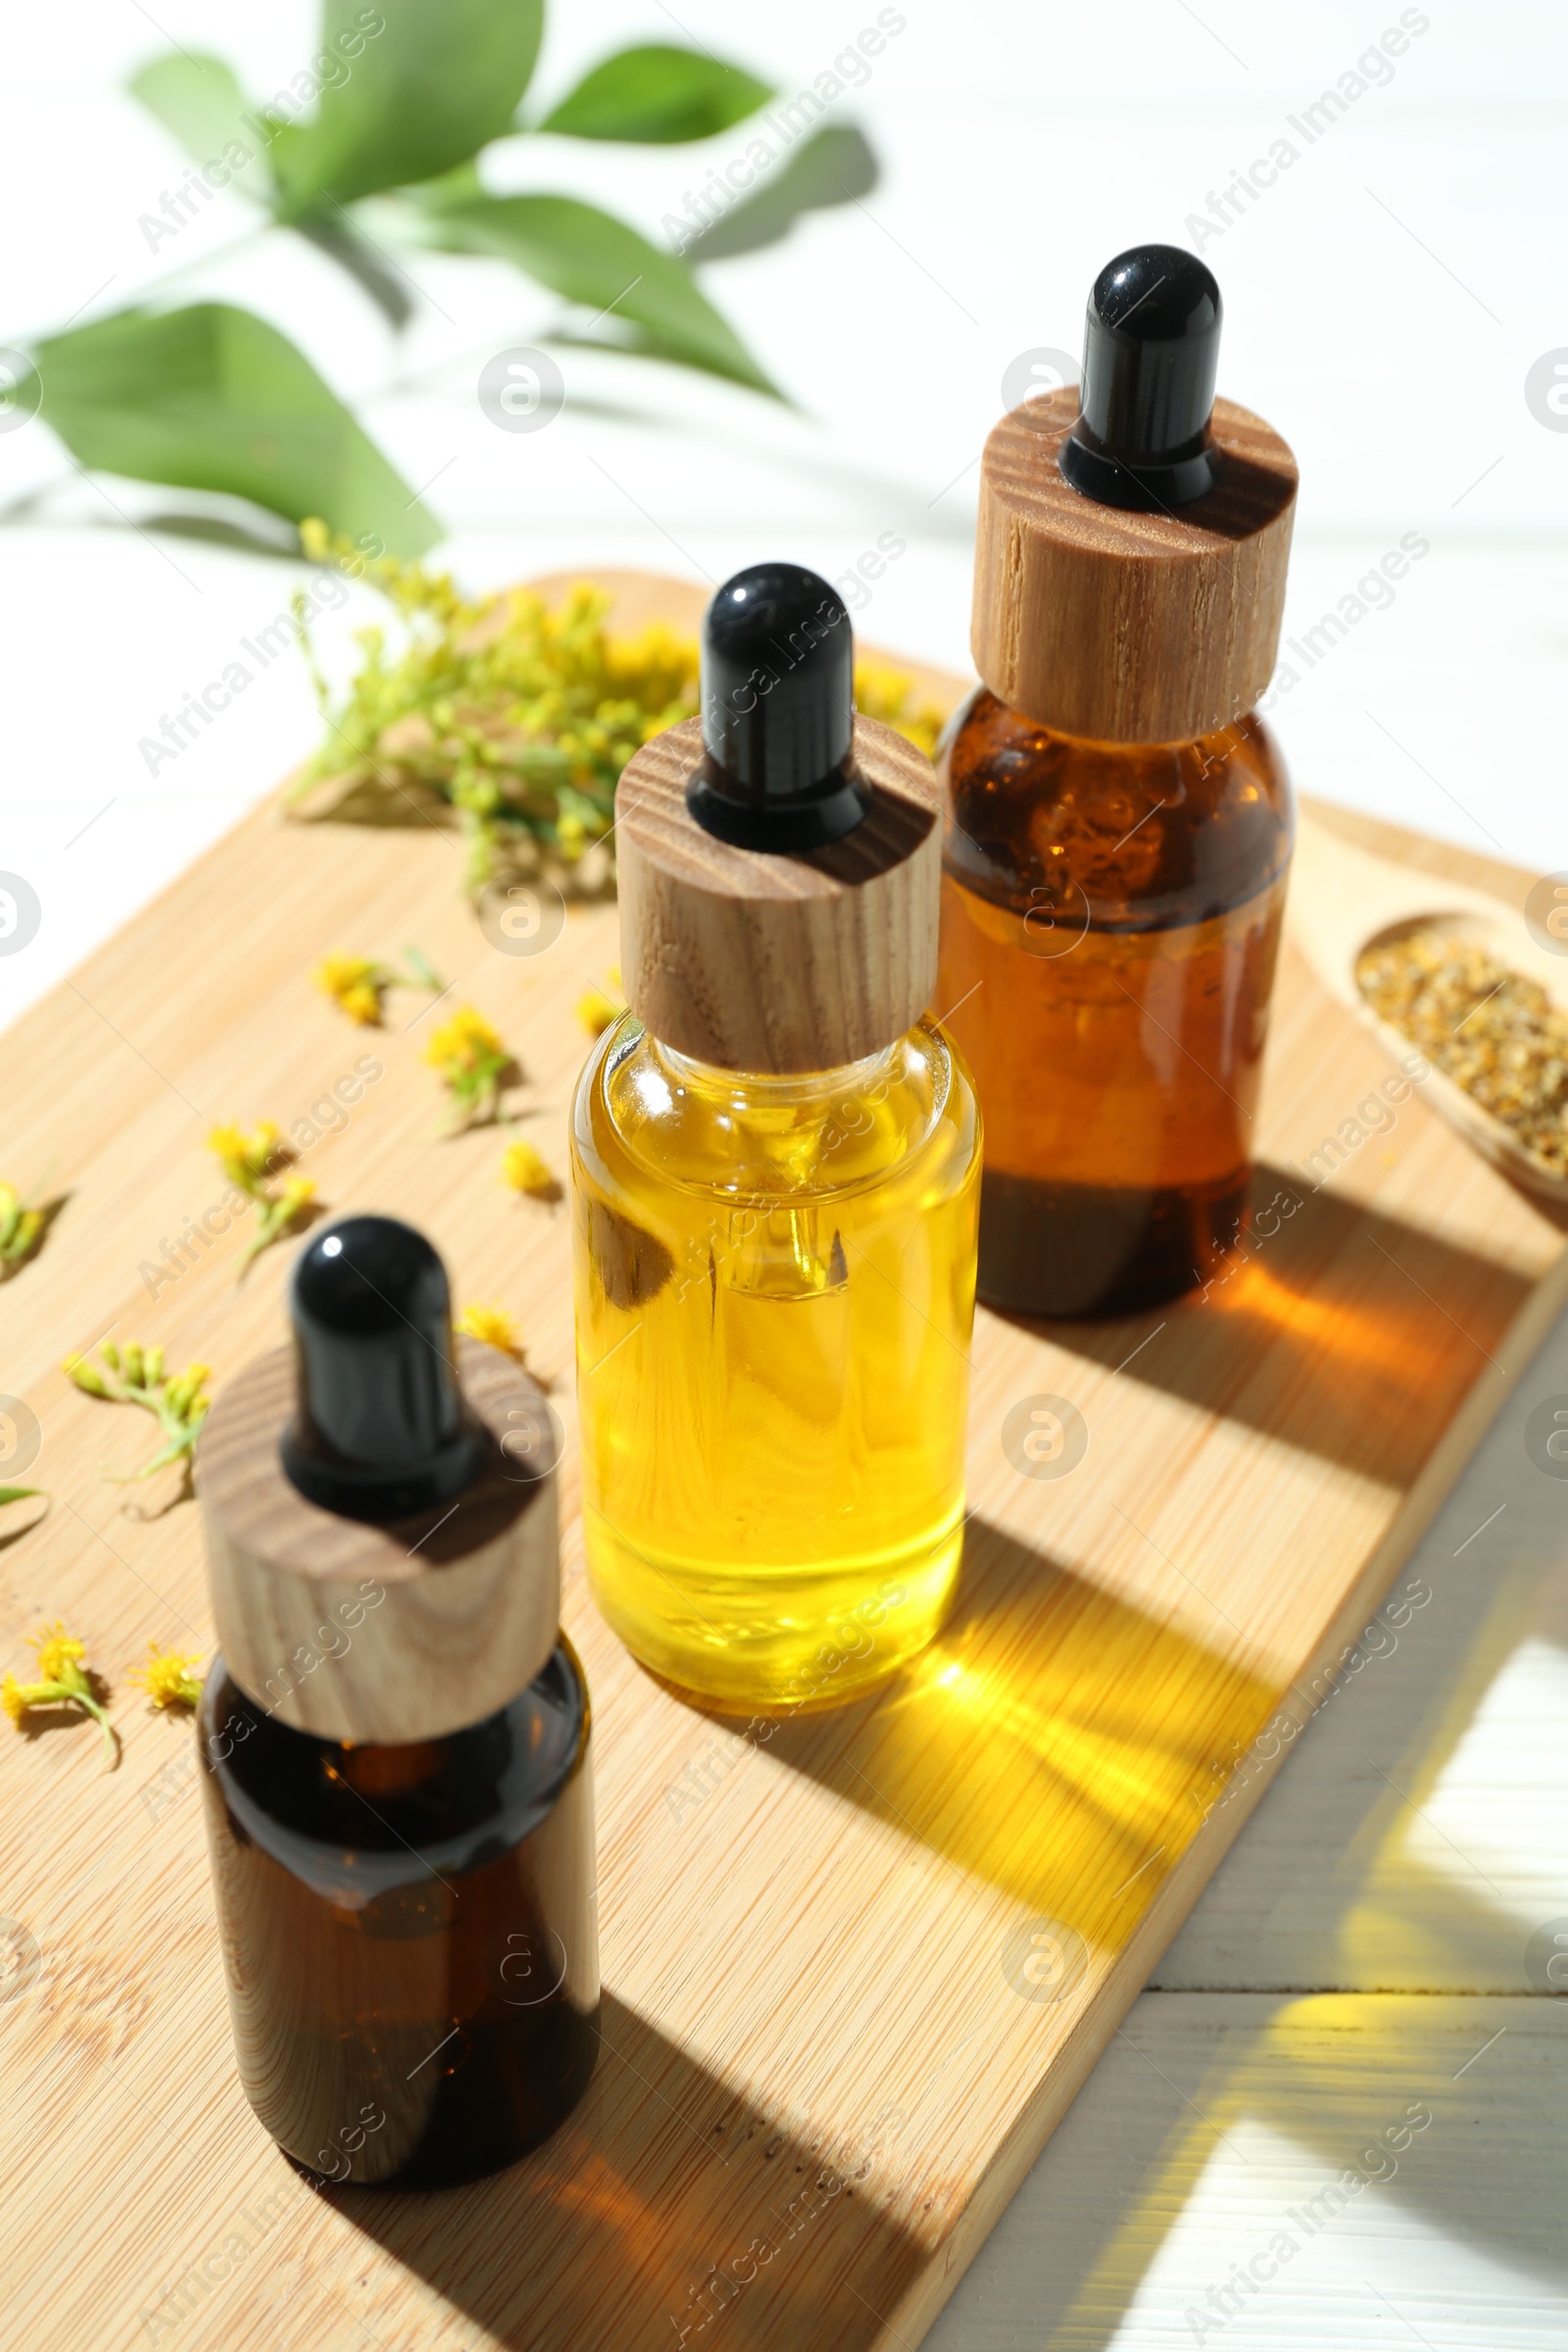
(470, 1591)
(1126, 627)
(760, 961)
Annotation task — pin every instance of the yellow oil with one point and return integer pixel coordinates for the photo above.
(775, 1286)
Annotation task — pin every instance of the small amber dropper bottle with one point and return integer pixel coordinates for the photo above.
(395, 1736)
(1119, 820)
(774, 1170)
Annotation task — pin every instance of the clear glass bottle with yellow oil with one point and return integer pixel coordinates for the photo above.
(775, 1168)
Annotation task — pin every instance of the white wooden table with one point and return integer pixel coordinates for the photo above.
(1363, 1958)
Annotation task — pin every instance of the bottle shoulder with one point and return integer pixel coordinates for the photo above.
(641, 1108)
(1125, 836)
(379, 1814)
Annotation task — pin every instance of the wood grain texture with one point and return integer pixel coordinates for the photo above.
(400, 1631)
(759, 962)
(1124, 627)
(826, 2065)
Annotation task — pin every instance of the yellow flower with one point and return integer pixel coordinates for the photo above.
(177, 1404)
(19, 1230)
(597, 1011)
(358, 984)
(63, 1681)
(461, 1041)
(888, 695)
(521, 714)
(245, 1157)
(524, 1169)
(473, 1062)
(56, 1651)
(166, 1678)
(494, 1326)
(249, 1160)
(355, 984)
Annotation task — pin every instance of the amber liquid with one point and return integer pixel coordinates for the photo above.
(1109, 925)
(409, 1933)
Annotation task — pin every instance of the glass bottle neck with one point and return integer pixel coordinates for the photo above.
(789, 1089)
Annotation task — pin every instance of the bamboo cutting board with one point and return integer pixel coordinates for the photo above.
(856, 1964)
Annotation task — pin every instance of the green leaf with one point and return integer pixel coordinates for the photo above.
(198, 99)
(18, 1493)
(835, 166)
(659, 95)
(428, 91)
(593, 259)
(215, 399)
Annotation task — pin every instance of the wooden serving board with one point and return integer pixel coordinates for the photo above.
(856, 1964)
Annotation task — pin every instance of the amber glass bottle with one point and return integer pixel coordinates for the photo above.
(1121, 904)
(396, 1736)
(405, 1930)
(1117, 823)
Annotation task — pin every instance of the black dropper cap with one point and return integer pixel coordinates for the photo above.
(1151, 357)
(778, 714)
(380, 1431)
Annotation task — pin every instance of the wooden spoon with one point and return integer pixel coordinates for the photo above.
(1345, 900)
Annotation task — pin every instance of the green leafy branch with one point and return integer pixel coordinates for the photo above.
(372, 152)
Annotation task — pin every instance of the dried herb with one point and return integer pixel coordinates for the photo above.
(1492, 1030)
(518, 718)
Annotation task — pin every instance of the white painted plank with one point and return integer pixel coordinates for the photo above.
(1345, 2172)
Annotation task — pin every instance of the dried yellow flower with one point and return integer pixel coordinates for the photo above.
(473, 1064)
(20, 1230)
(521, 715)
(358, 984)
(167, 1677)
(63, 1681)
(599, 1011)
(893, 698)
(526, 1171)
(355, 984)
(177, 1405)
(250, 1158)
(246, 1154)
